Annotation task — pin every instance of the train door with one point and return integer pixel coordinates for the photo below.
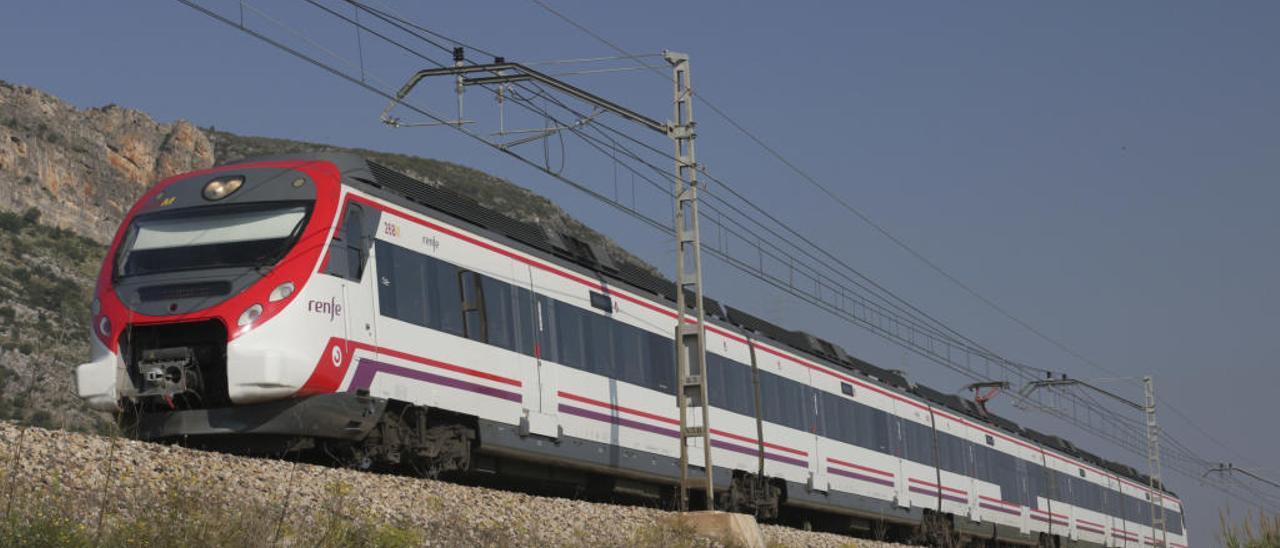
(897, 448)
(818, 479)
(1028, 494)
(1113, 507)
(542, 410)
(351, 260)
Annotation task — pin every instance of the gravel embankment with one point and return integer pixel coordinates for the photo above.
(93, 480)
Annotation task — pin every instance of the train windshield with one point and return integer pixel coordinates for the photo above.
(212, 237)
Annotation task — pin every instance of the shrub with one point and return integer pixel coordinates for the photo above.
(10, 222)
(31, 215)
(41, 418)
(1265, 533)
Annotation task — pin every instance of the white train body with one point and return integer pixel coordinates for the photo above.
(396, 303)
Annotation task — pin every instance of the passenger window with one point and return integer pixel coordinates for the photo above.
(473, 322)
(525, 323)
(548, 333)
(445, 298)
(628, 360)
(499, 320)
(597, 340)
(569, 331)
(662, 355)
(349, 250)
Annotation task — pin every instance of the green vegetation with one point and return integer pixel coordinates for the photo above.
(191, 514)
(673, 532)
(46, 280)
(1262, 533)
(46, 269)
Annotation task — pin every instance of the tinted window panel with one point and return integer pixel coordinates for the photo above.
(628, 357)
(598, 337)
(569, 335)
(498, 315)
(445, 297)
(386, 291)
(524, 321)
(738, 388)
(716, 381)
(548, 342)
(662, 356)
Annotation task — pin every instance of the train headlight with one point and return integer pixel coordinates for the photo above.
(104, 326)
(249, 315)
(218, 189)
(281, 291)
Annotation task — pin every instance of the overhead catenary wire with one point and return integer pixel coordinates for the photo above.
(932, 265)
(968, 373)
(899, 242)
(402, 23)
(660, 225)
(410, 27)
(880, 328)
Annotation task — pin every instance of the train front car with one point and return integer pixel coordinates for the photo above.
(201, 321)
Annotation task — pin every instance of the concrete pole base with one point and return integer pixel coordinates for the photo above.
(726, 527)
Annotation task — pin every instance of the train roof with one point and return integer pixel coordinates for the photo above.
(593, 257)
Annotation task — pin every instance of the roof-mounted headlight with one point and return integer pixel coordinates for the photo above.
(218, 189)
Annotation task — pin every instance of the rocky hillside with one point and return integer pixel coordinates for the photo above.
(68, 175)
(84, 168)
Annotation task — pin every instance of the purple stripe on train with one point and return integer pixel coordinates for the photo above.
(613, 419)
(934, 493)
(999, 508)
(588, 414)
(366, 369)
(855, 475)
(753, 452)
(1038, 517)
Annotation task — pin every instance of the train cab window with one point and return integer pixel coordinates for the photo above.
(349, 250)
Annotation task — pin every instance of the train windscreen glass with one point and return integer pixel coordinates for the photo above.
(214, 237)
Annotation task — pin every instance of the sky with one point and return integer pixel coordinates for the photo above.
(1104, 171)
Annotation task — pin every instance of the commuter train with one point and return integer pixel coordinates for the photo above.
(326, 304)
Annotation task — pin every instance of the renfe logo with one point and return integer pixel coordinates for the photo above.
(332, 308)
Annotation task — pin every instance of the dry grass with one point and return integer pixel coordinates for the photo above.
(1259, 532)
